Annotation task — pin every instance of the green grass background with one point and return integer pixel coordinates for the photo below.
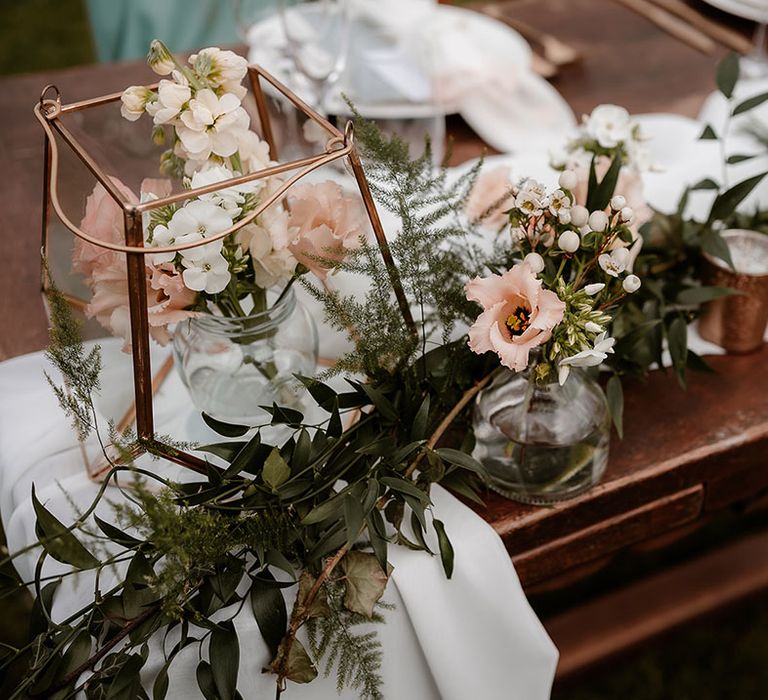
(724, 658)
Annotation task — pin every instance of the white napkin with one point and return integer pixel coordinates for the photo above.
(475, 635)
(411, 58)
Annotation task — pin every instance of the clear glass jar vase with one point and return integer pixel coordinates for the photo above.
(234, 365)
(542, 442)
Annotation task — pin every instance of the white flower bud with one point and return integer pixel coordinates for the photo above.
(593, 327)
(627, 214)
(159, 58)
(618, 202)
(564, 216)
(631, 283)
(134, 101)
(535, 261)
(593, 289)
(598, 220)
(579, 215)
(568, 180)
(569, 241)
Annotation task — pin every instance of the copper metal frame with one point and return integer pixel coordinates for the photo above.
(339, 145)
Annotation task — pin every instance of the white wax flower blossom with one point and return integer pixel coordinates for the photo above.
(614, 263)
(569, 241)
(579, 215)
(593, 327)
(559, 202)
(564, 216)
(609, 125)
(134, 101)
(171, 99)
(627, 214)
(568, 180)
(535, 261)
(209, 274)
(631, 284)
(596, 288)
(618, 202)
(532, 198)
(598, 221)
(211, 123)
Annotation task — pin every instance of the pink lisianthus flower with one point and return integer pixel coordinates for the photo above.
(326, 225)
(491, 196)
(518, 315)
(106, 272)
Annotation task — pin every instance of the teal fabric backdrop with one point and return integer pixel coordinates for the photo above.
(122, 29)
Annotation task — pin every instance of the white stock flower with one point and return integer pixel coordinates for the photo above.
(211, 124)
(221, 68)
(591, 357)
(164, 237)
(253, 150)
(171, 98)
(231, 198)
(134, 101)
(609, 125)
(614, 263)
(209, 273)
(159, 58)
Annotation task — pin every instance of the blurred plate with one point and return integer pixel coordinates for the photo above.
(756, 10)
(500, 43)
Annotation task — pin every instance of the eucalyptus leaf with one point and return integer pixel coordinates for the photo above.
(365, 582)
(276, 470)
(706, 184)
(205, 681)
(405, 487)
(225, 429)
(225, 659)
(117, 535)
(324, 395)
(58, 540)
(740, 158)
(726, 202)
(268, 606)
(446, 548)
(712, 242)
(461, 459)
(750, 103)
(727, 74)
(420, 421)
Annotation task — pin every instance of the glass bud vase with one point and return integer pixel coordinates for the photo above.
(234, 365)
(542, 442)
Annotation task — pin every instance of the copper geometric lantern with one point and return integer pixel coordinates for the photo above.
(53, 116)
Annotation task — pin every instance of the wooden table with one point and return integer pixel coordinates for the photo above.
(686, 456)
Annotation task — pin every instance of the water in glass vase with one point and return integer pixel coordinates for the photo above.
(542, 443)
(233, 366)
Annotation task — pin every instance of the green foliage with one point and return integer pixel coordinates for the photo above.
(356, 656)
(433, 254)
(80, 369)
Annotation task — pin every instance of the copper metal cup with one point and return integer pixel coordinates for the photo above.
(737, 323)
